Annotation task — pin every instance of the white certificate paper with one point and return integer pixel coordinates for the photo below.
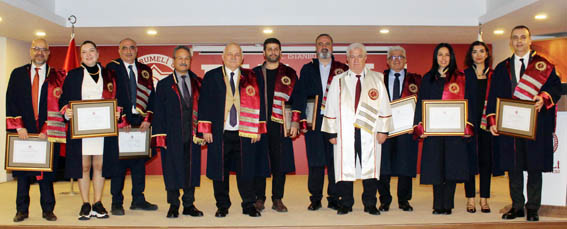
(30, 151)
(93, 118)
(517, 118)
(132, 142)
(309, 109)
(402, 117)
(444, 118)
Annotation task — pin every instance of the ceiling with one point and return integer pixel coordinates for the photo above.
(21, 25)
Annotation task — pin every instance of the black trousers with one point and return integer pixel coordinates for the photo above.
(444, 195)
(516, 181)
(484, 165)
(245, 186)
(404, 189)
(188, 197)
(316, 176)
(275, 153)
(368, 194)
(47, 199)
(138, 174)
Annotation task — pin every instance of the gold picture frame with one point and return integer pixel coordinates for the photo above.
(402, 103)
(146, 153)
(76, 120)
(311, 111)
(445, 122)
(27, 162)
(516, 109)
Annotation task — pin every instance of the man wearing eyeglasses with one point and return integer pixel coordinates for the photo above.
(399, 154)
(32, 91)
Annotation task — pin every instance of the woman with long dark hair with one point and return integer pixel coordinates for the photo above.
(478, 61)
(445, 159)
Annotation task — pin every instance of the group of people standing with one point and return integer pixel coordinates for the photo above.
(239, 114)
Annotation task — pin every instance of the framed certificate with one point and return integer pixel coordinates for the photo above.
(444, 117)
(134, 143)
(32, 154)
(287, 119)
(516, 118)
(311, 111)
(93, 118)
(403, 111)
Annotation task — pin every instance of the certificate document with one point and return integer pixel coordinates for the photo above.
(444, 118)
(132, 141)
(30, 151)
(32, 154)
(514, 117)
(402, 115)
(310, 111)
(93, 118)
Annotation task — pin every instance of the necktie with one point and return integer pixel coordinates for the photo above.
(396, 86)
(133, 85)
(186, 93)
(232, 118)
(35, 92)
(357, 95)
(522, 69)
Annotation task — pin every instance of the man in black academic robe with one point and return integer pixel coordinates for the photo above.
(136, 80)
(314, 80)
(174, 133)
(525, 69)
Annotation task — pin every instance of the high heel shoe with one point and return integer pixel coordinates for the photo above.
(470, 206)
(484, 208)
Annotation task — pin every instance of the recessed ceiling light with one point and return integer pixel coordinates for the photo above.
(499, 32)
(40, 34)
(268, 31)
(541, 17)
(384, 31)
(152, 32)
(0, 19)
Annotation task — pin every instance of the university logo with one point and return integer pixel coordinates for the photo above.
(161, 65)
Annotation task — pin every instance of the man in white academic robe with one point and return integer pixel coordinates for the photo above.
(358, 114)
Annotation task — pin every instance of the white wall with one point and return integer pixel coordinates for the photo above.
(500, 51)
(13, 53)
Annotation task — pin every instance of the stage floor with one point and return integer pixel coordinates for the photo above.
(296, 198)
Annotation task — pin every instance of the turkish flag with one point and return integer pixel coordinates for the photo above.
(71, 57)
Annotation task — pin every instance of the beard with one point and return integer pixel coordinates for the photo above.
(324, 54)
(273, 58)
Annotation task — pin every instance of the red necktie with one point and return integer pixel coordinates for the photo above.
(35, 92)
(357, 94)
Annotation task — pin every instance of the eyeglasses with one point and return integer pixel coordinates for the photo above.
(38, 49)
(397, 57)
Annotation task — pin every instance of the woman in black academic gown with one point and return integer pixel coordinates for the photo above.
(445, 160)
(87, 82)
(478, 61)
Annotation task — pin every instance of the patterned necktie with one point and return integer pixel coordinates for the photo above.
(522, 69)
(396, 86)
(357, 95)
(35, 92)
(186, 93)
(232, 114)
(133, 85)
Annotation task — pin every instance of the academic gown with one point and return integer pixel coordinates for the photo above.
(456, 156)
(399, 154)
(539, 153)
(286, 157)
(19, 103)
(179, 171)
(212, 110)
(310, 86)
(72, 90)
(340, 118)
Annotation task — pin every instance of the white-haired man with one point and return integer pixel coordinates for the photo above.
(358, 114)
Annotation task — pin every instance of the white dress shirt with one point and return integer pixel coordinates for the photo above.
(518, 64)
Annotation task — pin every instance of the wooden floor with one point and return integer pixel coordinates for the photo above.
(296, 198)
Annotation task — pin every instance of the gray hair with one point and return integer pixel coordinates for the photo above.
(230, 44)
(184, 48)
(396, 48)
(356, 46)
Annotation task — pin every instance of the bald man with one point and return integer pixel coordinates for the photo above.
(232, 122)
(27, 113)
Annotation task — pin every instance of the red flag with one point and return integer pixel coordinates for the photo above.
(71, 57)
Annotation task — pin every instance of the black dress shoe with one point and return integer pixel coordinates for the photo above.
(314, 206)
(259, 204)
(221, 212)
(532, 215)
(333, 204)
(49, 216)
(145, 205)
(192, 211)
(513, 213)
(344, 210)
(372, 210)
(438, 211)
(448, 211)
(405, 206)
(20, 216)
(173, 211)
(117, 209)
(251, 211)
(384, 207)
